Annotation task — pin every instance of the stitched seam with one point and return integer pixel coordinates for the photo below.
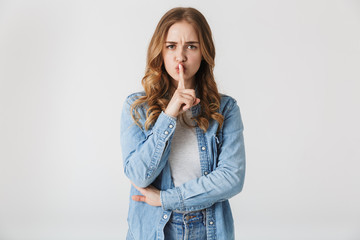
(182, 205)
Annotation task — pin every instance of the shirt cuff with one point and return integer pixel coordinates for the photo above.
(171, 199)
(164, 125)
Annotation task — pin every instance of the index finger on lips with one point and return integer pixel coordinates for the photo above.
(181, 84)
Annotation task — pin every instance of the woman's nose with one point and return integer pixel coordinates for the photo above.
(180, 55)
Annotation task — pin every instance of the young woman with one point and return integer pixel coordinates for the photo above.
(182, 141)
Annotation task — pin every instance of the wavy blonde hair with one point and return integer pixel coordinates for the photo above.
(156, 82)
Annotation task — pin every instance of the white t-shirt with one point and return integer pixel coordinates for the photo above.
(184, 156)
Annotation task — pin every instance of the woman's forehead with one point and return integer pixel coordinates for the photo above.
(182, 31)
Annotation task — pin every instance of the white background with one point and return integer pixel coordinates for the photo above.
(67, 66)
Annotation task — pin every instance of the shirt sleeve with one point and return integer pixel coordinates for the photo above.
(142, 152)
(221, 184)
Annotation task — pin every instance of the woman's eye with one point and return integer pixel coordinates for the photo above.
(191, 47)
(170, 46)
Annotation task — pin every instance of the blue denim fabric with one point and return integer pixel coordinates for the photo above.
(145, 157)
(188, 226)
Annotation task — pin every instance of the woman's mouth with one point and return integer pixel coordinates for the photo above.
(177, 68)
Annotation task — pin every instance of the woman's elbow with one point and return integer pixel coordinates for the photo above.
(237, 185)
(139, 180)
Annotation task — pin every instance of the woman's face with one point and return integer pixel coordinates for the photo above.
(182, 47)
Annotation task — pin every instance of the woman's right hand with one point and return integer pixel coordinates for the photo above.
(183, 99)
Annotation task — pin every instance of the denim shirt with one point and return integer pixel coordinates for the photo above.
(145, 159)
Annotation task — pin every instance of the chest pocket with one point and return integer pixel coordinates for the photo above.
(216, 141)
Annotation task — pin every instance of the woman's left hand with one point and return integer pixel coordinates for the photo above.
(151, 195)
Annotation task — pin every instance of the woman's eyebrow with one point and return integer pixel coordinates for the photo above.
(189, 42)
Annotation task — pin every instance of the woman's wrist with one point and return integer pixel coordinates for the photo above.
(170, 114)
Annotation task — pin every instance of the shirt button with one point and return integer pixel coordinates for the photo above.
(165, 216)
(211, 222)
(203, 148)
(206, 173)
(171, 126)
(166, 132)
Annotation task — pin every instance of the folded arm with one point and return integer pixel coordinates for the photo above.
(224, 182)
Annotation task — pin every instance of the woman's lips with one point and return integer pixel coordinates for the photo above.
(177, 68)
